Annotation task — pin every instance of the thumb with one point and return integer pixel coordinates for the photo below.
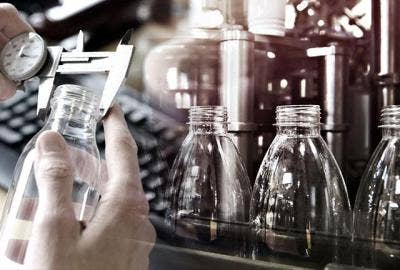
(54, 175)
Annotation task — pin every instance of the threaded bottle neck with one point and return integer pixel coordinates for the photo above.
(208, 119)
(76, 98)
(390, 117)
(298, 119)
(390, 121)
(74, 111)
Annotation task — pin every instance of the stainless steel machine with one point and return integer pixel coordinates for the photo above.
(318, 60)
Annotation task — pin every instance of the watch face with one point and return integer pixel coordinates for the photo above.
(23, 56)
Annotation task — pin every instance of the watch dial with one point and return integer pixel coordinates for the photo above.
(23, 56)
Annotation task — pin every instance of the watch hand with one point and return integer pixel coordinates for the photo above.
(21, 51)
(26, 55)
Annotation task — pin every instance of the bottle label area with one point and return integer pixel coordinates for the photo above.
(13, 244)
(22, 207)
(22, 229)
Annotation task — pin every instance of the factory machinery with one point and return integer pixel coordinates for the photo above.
(250, 63)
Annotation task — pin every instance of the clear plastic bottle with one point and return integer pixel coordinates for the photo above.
(300, 207)
(377, 207)
(209, 190)
(74, 114)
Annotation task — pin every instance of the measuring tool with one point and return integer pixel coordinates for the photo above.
(27, 56)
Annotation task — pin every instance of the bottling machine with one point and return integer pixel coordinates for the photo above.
(223, 60)
(253, 55)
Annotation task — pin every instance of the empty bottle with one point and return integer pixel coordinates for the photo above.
(377, 206)
(74, 114)
(300, 207)
(209, 192)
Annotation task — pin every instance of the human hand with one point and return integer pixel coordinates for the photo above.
(119, 236)
(11, 25)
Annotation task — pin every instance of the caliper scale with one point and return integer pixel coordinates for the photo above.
(27, 56)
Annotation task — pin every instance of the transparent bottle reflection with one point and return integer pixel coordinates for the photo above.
(377, 207)
(300, 207)
(209, 191)
(74, 114)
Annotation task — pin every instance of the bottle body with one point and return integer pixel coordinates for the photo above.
(209, 193)
(22, 198)
(299, 205)
(376, 210)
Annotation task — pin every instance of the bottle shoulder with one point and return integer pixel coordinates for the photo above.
(298, 150)
(210, 155)
(382, 175)
(301, 164)
(385, 161)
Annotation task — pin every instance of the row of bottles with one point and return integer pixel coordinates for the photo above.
(298, 208)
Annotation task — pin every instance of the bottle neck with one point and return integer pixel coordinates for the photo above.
(209, 128)
(208, 120)
(74, 112)
(388, 132)
(298, 120)
(390, 121)
(72, 121)
(298, 131)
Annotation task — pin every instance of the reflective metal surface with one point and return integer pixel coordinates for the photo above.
(386, 51)
(335, 86)
(237, 89)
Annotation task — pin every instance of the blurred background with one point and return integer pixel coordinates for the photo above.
(179, 62)
(155, 21)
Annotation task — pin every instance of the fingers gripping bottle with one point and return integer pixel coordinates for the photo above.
(74, 114)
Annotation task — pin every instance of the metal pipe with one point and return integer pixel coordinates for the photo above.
(235, 12)
(335, 85)
(237, 89)
(386, 51)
